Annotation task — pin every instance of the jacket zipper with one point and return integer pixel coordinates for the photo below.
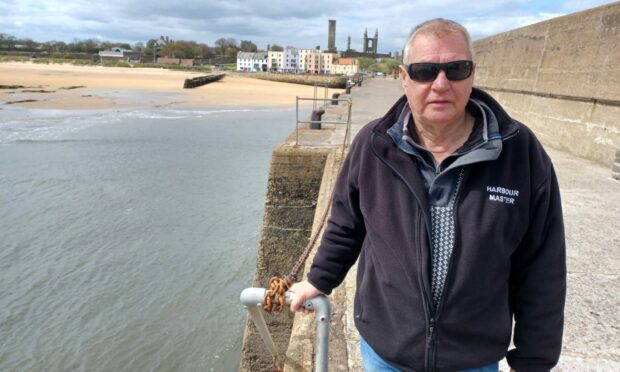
(427, 305)
(430, 349)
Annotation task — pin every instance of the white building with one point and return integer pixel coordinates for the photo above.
(274, 61)
(114, 53)
(119, 54)
(327, 60)
(346, 66)
(252, 62)
(290, 61)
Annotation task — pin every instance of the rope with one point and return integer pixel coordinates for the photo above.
(275, 296)
(302, 259)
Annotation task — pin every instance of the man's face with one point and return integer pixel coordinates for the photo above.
(440, 102)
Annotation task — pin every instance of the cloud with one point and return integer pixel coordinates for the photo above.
(482, 27)
(284, 22)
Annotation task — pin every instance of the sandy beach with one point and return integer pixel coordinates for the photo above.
(59, 86)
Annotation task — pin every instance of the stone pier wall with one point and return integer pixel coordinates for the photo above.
(292, 192)
(561, 78)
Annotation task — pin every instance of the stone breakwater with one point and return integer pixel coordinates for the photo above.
(561, 78)
(331, 81)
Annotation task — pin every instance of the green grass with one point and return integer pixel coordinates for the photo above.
(385, 65)
(229, 66)
(14, 59)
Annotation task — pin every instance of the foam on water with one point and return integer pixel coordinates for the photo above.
(24, 125)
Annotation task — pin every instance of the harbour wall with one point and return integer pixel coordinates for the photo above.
(562, 79)
(293, 187)
(331, 81)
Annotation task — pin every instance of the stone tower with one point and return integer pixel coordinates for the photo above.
(331, 37)
(370, 43)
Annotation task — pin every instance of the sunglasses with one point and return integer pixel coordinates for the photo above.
(427, 72)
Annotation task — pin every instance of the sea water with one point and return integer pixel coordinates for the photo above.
(127, 236)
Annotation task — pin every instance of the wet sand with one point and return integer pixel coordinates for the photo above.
(60, 86)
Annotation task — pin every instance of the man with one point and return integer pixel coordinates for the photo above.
(454, 211)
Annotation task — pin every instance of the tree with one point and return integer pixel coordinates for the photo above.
(149, 46)
(29, 44)
(207, 52)
(55, 46)
(276, 48)
(226, 46)
(248, 46)
(124, 46)
(84, 46)
(138, 47)
(9, 42)
(181, 49)
(105, 45)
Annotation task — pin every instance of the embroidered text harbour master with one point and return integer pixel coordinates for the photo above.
(502, 194)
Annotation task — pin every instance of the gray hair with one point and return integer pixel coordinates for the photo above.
(437, 27)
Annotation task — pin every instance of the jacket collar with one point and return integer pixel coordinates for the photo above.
(498, 127)
(506, 127)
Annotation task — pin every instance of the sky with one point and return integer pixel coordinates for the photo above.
(303, 24)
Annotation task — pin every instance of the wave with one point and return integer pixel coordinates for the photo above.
(32, 140)
(29, 126)
(168, 113)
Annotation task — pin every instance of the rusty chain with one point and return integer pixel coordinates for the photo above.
(275, 295)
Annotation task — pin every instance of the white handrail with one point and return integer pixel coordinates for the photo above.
(252, 299)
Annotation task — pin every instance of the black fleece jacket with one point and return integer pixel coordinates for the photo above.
(508, 260)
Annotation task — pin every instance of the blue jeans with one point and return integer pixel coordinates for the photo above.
(374, 363)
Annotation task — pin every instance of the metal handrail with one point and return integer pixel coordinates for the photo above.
(253, 298)
(316, 87)
(348, 100)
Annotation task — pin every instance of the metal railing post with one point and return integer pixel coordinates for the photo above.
(346, 122)
(252, 299)
(348, 139)
(297, 121)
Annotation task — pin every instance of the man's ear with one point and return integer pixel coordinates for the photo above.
(403, 75)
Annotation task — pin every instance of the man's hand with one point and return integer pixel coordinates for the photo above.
(303, 291)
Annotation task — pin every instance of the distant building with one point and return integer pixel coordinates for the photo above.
(274, 61)
(346, 66)
(252, 62)
(290, 61)
(331, 36)
(305, 58)
(370, 45)
(119, 54)
(310, 61)
(313, 61)
(161, 42)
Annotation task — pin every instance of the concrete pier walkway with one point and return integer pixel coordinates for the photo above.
(591, 203)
